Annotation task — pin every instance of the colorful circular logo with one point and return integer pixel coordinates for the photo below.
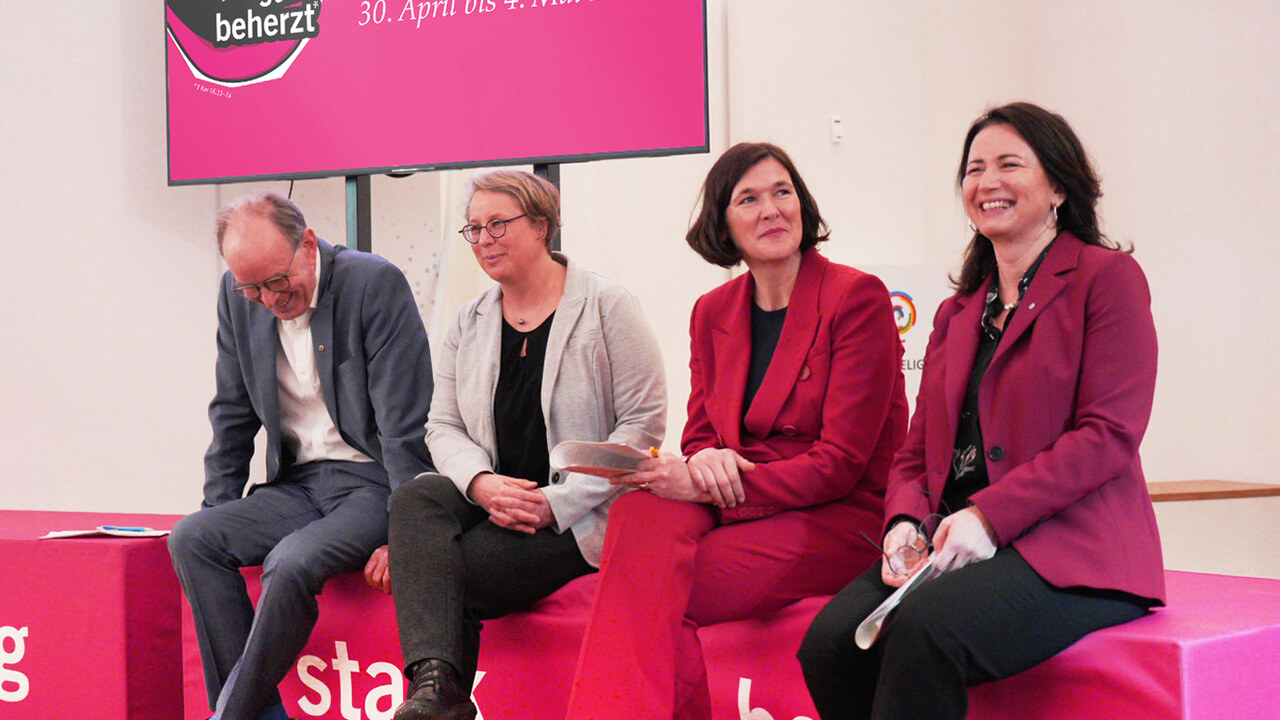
(904, 311)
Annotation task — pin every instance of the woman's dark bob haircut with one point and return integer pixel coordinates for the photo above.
(709, 235)
(1065, 163)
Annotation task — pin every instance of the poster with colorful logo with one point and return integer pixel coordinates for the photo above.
(289, 89)
(915, 292)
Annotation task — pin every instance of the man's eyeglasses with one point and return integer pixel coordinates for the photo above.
(496, 228)
(909, 555)
(276, 284)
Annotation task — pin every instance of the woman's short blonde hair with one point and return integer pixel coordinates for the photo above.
(539, 199)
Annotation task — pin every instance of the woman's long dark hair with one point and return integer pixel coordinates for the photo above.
(1066, 165)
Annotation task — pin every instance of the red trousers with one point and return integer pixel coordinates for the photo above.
(669, 568)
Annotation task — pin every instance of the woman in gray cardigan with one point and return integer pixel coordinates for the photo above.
(551, 353)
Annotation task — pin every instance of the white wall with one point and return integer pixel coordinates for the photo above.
(1180, 108)
(1178, 104)
(109, 289)
(109, 280)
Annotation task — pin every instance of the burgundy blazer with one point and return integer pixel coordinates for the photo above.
(832, 408)
(1063, 407)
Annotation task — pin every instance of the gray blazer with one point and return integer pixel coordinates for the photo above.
(372, 358)
(602, 379)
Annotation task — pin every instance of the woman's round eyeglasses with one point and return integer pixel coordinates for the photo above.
(496, 228)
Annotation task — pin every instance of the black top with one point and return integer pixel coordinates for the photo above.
(766, 328)
(968, 463)
(517, 404)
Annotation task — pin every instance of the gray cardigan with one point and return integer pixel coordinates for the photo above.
(602, 379)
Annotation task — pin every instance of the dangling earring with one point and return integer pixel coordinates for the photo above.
(1055, 216)
(972, 228)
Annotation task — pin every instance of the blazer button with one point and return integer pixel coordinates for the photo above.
(804, 373)
(996, 454)
(320, 348)
(788, 430)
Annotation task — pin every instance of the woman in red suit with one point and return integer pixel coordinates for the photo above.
(1037, 388)
(797, 406)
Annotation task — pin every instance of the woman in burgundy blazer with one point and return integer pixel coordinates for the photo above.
(796, 409)
(1037, 388)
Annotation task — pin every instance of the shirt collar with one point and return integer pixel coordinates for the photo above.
(993, 305)
(303, 321)
(315, 292)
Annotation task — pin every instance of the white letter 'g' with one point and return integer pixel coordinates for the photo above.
(13, 684)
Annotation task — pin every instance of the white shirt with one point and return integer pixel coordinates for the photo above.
(308, 430)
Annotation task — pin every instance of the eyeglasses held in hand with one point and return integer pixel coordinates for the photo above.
(907, 557)
(276, 284)
(496, 228)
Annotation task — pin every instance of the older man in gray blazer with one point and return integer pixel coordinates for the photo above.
(325, 348)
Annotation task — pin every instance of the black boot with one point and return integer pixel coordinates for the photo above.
(435, 693)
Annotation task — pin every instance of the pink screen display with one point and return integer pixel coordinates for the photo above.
(280, 88)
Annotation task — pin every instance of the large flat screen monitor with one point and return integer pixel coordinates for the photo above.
(263, 89)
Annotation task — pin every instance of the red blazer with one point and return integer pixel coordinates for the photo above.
(831, 410)
(1063, 407)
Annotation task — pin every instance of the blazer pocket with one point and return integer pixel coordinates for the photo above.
(817, 362)
(584, 337)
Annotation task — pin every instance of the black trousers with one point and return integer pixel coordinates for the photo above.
(451, 568)
(983, 622)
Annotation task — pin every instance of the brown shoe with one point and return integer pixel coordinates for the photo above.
(435, 693)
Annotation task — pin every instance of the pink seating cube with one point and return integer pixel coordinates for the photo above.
(89, 626)
(1213, 653)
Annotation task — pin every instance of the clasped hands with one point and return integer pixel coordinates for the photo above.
(962, 538)
(513, 503)
(712, 476)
